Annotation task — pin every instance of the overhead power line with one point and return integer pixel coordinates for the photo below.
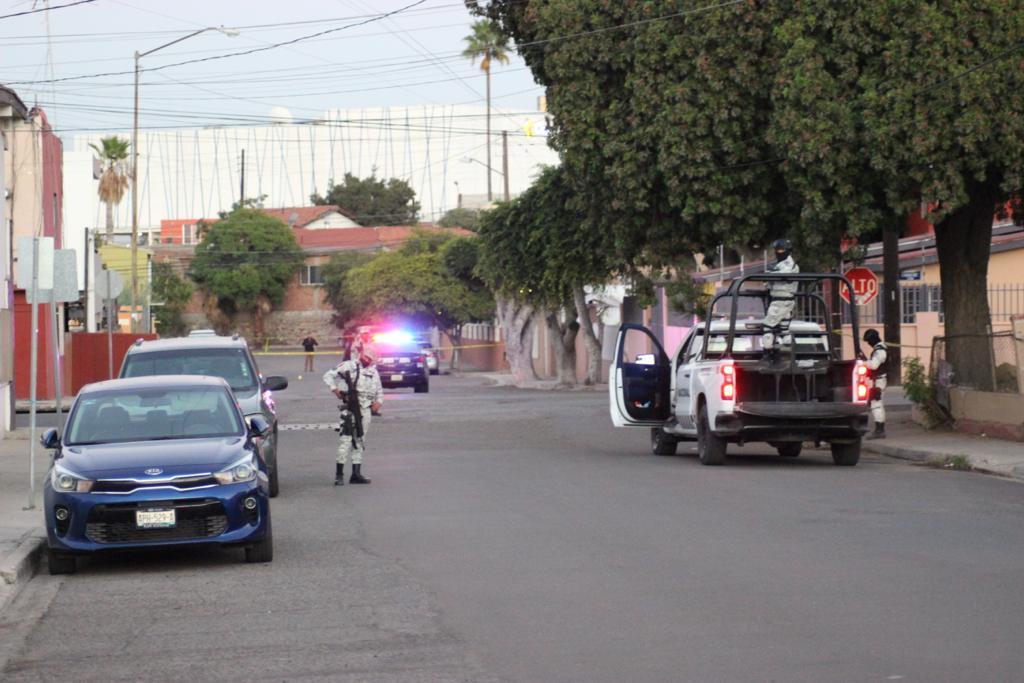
(45, 9)
(239, 53)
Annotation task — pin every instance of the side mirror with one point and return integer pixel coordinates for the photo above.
(275, 383)
(50, 439)
(258, 427)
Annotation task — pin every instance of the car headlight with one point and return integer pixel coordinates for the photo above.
(243, 470)
(65, 480)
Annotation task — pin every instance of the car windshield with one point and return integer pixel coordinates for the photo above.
(153, 414)
(231, 365)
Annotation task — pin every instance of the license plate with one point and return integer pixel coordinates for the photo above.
(154, 519)
(396, 378)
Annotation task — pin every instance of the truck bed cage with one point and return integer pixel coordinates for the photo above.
(735, 291)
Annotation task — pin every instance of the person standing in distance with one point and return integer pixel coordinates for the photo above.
(781, 294)
(878, 370)
(309, 344)
(359, 375)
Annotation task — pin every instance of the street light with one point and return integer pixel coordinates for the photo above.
(467, 160)
(135, 158)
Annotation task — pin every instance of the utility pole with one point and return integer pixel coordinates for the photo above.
(504, 161)
(135, 198)
(90, 287)
(241, 190)
(891, 295)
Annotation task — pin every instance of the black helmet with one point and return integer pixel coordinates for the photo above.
(872, 337)
(783, 248)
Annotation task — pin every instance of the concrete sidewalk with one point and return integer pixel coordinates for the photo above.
(947, 448)
(22, 536)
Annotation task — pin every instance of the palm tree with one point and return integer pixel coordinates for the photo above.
(487, 43)
(112, 151)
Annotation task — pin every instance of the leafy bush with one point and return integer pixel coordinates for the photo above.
(918, 387)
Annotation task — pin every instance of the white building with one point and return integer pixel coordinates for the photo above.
(197, 172)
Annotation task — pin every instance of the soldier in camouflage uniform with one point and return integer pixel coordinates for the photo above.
(361, 373)
(782, 294)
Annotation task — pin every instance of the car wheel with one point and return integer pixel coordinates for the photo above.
(273, 484)
(435, 371)
(710, 448)
(789, 450)
(60, 563)
(662, 443)
(846, 454)
(262, 550)
(421, 388)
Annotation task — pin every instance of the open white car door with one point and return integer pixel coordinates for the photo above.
(639, 391)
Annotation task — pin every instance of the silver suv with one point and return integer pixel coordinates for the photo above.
(215, 356)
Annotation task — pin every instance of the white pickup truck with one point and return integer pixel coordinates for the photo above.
(720, 387)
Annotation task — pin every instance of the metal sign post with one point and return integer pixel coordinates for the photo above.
(34, 273)
(33, 369)
(108, 287)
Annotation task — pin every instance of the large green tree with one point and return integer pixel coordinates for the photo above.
(245, 262)
(732, 123)
(335, 276)
(172, 292)
(468, 219)
(538, 255)
(430, 280)
(373, 200)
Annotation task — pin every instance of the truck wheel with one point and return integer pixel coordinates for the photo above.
(662, 443)
(789, 450)
(710, 448)
(846, 454)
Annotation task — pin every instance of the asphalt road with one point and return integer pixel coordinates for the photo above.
(516, 536)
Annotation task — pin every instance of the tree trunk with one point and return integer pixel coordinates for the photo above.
(963, 241)
(516, 320)
(590, 339)
(891, 296)
(110, 223)
(563, 341)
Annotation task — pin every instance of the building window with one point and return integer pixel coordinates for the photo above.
(311, 276)
(188, 233)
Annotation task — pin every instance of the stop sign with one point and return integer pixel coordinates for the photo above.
(865, 286)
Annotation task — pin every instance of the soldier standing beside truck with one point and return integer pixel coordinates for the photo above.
(878, 367)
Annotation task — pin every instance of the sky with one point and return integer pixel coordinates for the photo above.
(411, 57)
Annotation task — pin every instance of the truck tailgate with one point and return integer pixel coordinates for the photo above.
(803, 410)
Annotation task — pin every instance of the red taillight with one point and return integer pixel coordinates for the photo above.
(860, 383)
(728, 372)
(421, 359)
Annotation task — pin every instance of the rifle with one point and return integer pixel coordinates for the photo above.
(351, 415)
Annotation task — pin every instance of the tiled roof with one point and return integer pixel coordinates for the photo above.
(340, 239)
(304, 214)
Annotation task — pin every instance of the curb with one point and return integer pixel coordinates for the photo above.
(20, 565)
(977, 464)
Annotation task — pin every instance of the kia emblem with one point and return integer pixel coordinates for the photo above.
(153, 471)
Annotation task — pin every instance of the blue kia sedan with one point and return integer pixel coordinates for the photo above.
(156, 461)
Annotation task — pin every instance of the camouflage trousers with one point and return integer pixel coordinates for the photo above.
(347, 451)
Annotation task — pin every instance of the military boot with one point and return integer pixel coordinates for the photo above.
(339, 474)
(879, 432)
(357, 476)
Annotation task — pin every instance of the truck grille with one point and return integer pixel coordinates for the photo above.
(195, 519)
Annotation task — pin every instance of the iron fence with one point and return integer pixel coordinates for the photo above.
(1004, 301)
(992, 359)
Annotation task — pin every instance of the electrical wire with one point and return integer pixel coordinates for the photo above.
(45, 9)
